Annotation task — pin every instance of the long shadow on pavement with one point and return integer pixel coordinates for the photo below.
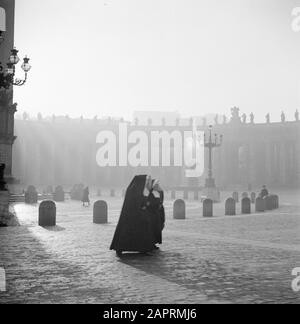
(34, 275)
(214, 279)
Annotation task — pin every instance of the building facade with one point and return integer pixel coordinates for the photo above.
(7, 107)
(254, 154)
(63, 151)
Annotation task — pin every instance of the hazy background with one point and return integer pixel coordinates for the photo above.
(111, 57)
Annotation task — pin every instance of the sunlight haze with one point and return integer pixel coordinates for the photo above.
(113, 57)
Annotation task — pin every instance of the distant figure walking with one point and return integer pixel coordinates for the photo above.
(85, 197)
(264, 192)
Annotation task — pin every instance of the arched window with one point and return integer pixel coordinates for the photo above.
(2, 20)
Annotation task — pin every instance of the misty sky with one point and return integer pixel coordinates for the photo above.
(111, 57)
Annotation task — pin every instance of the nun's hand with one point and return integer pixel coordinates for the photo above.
(157, 187)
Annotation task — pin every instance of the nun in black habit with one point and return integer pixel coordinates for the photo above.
(134, 232)
(157, 210)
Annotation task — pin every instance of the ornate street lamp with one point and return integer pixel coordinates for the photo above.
(211, 143)
(7, 77)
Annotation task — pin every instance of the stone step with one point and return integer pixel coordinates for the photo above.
(21, 198)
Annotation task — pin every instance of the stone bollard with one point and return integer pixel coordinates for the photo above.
(235, 196)
(269, 202)
(246, 206)
(260, 205)
(275, 201)
(47, 213)
(100, 212)
(179, 209)
(185, 194)
(245, 195)
(196, 195)
(230, 207)
(173, 194)
(208, 208)
(253, 197)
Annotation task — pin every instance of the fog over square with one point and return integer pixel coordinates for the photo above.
(112, 57)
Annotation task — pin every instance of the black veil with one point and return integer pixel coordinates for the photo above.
(133, 232)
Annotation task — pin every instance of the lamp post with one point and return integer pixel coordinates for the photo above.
(211, 143)
(7, 76)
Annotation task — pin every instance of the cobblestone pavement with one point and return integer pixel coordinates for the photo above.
(236, 259)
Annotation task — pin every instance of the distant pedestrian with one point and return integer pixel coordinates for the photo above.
(85, 197)
(264, 192)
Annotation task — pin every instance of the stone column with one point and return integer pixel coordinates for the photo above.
(252, 174)
(276, 164)
(69, 164)
(6, 218)
(270, 158)
(234, 164)
(51, 162)
(80, 154)
(93, 164)
(297, 162)
(268, 162)
(282, 163)
(36, 163)
(217, 166)
(223, 163)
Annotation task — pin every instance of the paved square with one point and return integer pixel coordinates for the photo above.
(232, 259)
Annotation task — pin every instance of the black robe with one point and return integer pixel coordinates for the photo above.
(157, 211)
(134, 231)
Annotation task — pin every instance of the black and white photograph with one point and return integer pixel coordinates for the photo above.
(149, 154)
